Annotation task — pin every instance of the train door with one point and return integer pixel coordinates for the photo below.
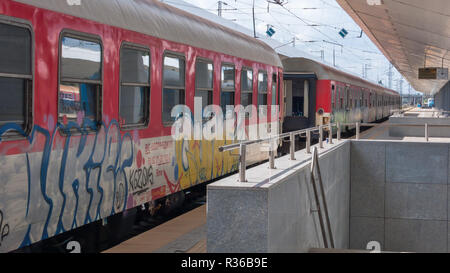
(333, 98)
(300, 103)
(347, 104)
(337, 103)
(281, 100)
(359, 116)
(362, 106)
(379, 109)
(375, 105)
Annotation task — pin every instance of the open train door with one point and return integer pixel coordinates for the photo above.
(300, 101)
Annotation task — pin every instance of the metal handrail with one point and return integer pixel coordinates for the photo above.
(315, 166)
(242, 146)
(272, 138)
(429, 111)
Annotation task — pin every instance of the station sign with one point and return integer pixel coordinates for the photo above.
(433, 73)
(270, 32)
(343, 32)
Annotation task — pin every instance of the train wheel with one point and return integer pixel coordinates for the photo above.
(173, 202)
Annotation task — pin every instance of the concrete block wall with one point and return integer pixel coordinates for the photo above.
(399, 195)
(392, 192)
(442, 98)
(419, 131)
(292, 225)
(246, 217)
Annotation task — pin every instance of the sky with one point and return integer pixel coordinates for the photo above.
(315, 24)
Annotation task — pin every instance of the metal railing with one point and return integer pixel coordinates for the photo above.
(426, 126)
(435, 113)
(242, 146)
(316, 168)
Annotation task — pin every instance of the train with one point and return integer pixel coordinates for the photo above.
(86, 93)
(317, 94)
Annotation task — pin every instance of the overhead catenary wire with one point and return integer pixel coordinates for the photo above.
(352, 54)
(305, 21)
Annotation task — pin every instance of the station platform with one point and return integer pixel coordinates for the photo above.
(187, 233)
(423, 112)
(183, 234)
(381, 132)
(382, 189)
(414, 115)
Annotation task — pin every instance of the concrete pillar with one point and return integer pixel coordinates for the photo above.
(288, 91)
(306, 99)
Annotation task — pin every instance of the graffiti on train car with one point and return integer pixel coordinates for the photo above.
(141, 179)
(64, 177)
(4, 228)
(67, 175)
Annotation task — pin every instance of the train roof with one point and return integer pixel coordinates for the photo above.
(160, 20)
(325, 72)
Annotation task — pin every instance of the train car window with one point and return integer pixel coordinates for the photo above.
(280, 81)
(80, 85)
(134, 93)
(274, 89)
(16, 77)
(353, 101)
(354, 98)
(332, 96)
(347, 95)
(361, 104)
(173, 85)
(337, 95)
(361, 98)
(204, 74)
(227, 87)
(262, 88)
(246, 88)
(350, 95)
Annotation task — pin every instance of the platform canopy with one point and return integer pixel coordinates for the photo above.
(410, 33)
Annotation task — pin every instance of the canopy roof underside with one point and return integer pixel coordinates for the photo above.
(410, 33)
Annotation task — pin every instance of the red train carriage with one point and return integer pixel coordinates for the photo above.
(85, 98)
(316, 93)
